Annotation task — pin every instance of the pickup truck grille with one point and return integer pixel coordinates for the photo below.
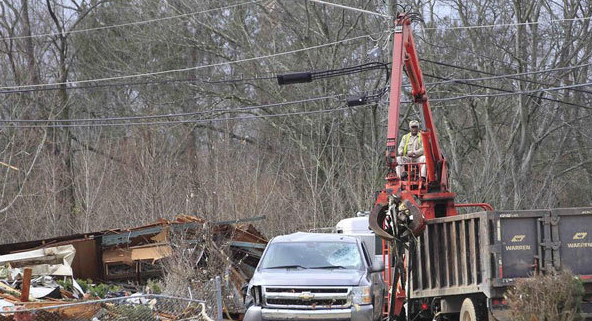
(312, 290)
(325, 302)
(307, 297)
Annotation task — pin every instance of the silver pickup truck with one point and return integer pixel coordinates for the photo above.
(309, 276)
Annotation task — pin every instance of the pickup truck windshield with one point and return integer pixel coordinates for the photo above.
(313, 255)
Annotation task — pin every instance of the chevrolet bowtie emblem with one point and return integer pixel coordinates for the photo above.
(306, 296)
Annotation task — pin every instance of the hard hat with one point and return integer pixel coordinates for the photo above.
(414, 123)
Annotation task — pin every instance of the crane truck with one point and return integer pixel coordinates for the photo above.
(445, 265)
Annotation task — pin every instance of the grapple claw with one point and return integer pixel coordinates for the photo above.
(418, 221)
(409, 219)
(377, 216)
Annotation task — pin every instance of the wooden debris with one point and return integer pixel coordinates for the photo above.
(26, 286)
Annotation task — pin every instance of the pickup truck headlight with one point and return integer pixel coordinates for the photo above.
(257, 295)
(253, 297)
(361, 295)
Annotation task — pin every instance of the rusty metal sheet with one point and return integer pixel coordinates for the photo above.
(87, 263)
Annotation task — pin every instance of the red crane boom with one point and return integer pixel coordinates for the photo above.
(402, 208)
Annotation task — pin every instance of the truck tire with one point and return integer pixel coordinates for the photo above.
(468, 311)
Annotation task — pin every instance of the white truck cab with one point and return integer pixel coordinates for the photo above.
(359, 227)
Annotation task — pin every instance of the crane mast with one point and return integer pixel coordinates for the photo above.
(402, 209)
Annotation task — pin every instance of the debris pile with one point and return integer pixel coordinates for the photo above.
(43, 273)
(139, 307)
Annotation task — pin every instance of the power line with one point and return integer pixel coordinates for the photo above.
(238, 80)
(155, 73)
(103, 85)
(508, 76)
(263, 116)
(446, 45)
(484, 72)
(135, 23)
(455, 27)
(496, 76)
(350, 70)
(507, 24)
(106, 119)
(317, 75)
(507, 92)
(309, 76)
(351, 8)
(246, 108)
(514, 93)
(463, 80)
(511, 91)
(446, 80)
(186, 120)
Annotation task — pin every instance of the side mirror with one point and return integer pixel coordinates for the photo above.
(377, 266)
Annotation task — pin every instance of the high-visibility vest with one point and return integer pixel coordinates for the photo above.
(406, 137)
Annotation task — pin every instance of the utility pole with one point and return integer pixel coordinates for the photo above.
(391, 4)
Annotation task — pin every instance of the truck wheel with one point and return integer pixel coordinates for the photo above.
(468, 311)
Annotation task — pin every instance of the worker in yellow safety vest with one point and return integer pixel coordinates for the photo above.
(411, 151)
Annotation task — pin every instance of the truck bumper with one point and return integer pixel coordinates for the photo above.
(360, 313)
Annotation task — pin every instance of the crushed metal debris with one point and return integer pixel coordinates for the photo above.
(120, 255)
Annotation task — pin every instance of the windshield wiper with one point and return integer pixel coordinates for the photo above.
(286, 267)
(328, 267)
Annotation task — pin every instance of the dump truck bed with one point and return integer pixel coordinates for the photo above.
(485, 252)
